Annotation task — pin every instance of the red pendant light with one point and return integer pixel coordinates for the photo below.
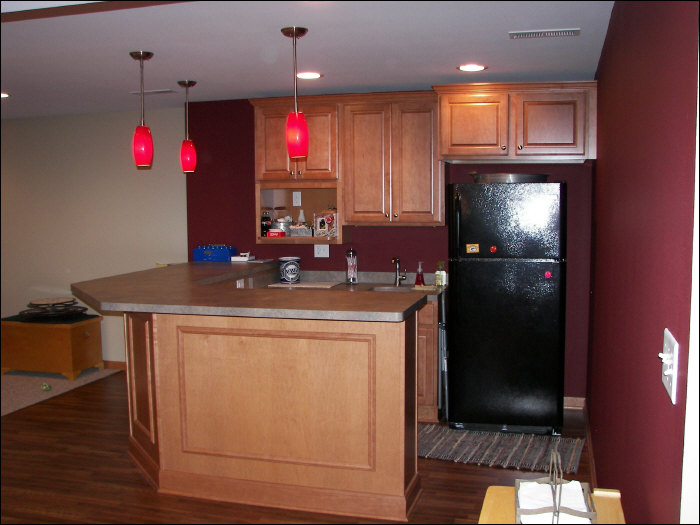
(188, 155)
(142, 144)
(297, 135)
(143, 147)
(297, 130)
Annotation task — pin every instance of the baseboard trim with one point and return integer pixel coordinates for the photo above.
(575, 402)
(115, 365)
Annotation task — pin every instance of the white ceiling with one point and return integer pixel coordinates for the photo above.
(80, 63)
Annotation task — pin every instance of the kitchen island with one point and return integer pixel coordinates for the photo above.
(301, 399)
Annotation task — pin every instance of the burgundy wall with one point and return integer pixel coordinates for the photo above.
(220, 194)
(643, 221)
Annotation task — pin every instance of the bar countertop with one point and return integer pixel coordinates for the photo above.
(210, 288)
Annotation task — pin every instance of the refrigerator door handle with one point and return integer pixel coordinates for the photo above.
(456, 218)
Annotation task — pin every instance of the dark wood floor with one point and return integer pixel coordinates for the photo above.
(65, 461)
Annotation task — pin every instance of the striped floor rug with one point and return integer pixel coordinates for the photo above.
(498, 449)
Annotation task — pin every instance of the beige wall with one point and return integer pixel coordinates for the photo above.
(75, 208)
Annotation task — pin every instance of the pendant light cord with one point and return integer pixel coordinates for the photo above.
(141, 62)
(187, 113)
(294, 47)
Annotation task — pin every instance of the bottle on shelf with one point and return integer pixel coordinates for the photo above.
(419, 274)
(265, 221)
(440, 274)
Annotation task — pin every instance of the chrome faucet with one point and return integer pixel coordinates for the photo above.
(397, 275)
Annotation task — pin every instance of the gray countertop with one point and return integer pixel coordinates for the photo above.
(209, 288)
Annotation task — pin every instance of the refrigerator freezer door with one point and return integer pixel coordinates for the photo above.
(506, 344)
(521, 220)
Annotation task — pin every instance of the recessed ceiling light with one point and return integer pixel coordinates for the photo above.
(471, 67)
(309, 75)
(5, 95)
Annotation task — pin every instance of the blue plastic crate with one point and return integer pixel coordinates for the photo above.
(213, 252)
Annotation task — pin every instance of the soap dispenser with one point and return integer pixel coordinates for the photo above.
(419, 275)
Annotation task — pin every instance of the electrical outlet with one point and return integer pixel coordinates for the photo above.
(296, 198)
(321, 250)
(669, 365)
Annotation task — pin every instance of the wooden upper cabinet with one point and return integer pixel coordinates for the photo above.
(474, 124)
(549, 123)
(366, 165)
(416, 181)
(534, 122)
(391, 174)
(272, 161)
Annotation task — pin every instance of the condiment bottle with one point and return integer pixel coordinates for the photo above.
(419, 274)
(351, 271)
(440, 274)
(265, 221)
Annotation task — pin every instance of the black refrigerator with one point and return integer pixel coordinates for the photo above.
(505, 314)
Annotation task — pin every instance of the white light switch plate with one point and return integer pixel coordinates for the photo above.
(321, 250)
(296, 198)
(669, 365)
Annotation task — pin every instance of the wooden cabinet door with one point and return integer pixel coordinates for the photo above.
(272, 161)
(416, 193)
(322, 160)
(271, 158)
(427, 364)
(474, 124)
(366, 146)
(549, 123)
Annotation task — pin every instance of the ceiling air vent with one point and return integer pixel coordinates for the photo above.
(544, 33)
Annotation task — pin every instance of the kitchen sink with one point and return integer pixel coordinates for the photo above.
(392, 289)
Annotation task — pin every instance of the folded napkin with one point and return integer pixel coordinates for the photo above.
(533, 495)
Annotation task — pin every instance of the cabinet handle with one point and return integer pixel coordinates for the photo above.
(520, 146)
(86, 335)
(396, 214)
(386, 215)
(503, 148)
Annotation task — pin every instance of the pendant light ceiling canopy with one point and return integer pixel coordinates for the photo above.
(188, 154)
(297, 131)
(142, 144)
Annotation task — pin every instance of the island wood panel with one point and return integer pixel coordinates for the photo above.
(140, 369)
(301, 414)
